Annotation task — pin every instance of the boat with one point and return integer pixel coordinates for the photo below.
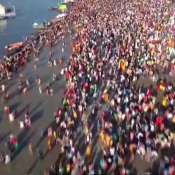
(38, 26)
(13, 47)
(7, 12)
(59, 17)
(41, 26)
(53, 8)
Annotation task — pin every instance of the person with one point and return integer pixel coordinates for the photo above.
(7, 159)
(54, 77)
(27, 120)
(31, 149)
(40, 89)
(3, 88)
(2, 157)
(21, 124)
(11, 117)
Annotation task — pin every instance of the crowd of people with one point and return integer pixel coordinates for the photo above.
(119, 100)
(31, 48)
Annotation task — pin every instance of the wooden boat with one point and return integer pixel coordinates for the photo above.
(13, 48)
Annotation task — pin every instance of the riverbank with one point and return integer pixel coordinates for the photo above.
(15, 30)
(32, 45)
(41, 108)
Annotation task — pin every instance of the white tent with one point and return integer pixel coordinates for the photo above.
(61, 15)
(67, 1)
(2, 10)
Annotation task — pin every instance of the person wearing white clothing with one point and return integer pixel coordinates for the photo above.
(11, 117)
(7, 159)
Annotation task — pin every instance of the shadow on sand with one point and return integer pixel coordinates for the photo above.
(37, 116)
(23, 141)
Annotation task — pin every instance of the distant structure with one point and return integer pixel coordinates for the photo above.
(2, 10)
(67, 1)
(7, 12)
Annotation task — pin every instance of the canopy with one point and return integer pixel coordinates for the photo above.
(61, 15)
(62, 7)
(67, 1)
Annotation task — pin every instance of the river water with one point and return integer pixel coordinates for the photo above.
(28, 12)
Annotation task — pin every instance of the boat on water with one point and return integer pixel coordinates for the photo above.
(7, 12)
(13, 47)
(53, 8)
(41, 26)
(59, 17)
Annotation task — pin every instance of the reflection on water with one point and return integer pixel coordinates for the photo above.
(3, 25)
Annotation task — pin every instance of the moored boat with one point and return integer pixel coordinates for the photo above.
(53, 8)
(38, 26)
(13, 47)
(41, 26)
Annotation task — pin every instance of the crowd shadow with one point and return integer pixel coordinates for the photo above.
(23, 142)
(25, 108)
(14, 106)
(36, 107)
(13, 94)
(37, 116)
(43, 135)
(32, 167)
(4, 136)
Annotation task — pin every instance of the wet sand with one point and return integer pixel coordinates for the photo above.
(41, 107)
